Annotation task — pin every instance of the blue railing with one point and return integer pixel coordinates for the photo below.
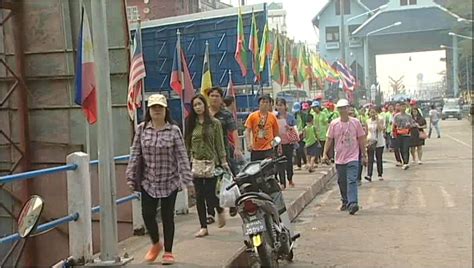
(47, 171)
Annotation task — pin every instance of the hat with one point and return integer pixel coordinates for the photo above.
(296, 107)
(319, 97)
(329, 105)
(342, 103)
(316, 104)
(305, 106)
(157, 99)
(413, 102)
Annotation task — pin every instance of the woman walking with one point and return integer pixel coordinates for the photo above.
(158, 166)
(286, 123)
(375, 143)
(418, 136)
(205, 144)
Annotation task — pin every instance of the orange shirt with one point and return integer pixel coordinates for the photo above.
(264, 129)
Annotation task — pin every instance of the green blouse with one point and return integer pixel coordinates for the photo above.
(208, 148)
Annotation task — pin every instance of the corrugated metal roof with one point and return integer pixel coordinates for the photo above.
(413, 20)
(373, 4)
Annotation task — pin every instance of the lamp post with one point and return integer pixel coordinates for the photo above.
(467, 67)
(366, 53)
(368, 12)
(455, 60)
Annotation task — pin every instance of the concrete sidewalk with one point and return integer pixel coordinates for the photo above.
(223, 247)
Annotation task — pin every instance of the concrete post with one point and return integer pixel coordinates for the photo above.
(366, 67)
(79, 200)
(455, 66)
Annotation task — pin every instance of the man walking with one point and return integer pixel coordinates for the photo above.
(434, 121)
(349, 139)
(262, 127)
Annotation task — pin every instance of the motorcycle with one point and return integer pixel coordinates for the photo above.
(266, 224)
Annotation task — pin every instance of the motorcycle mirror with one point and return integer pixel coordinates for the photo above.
(276, 141)
(30, 215)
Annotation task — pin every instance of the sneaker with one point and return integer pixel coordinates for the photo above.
(202, 233)
(298, 168)
(413, 162)
(398, 164)
(210, 219)
(220, 220)
(292, 185)
(232, 212)
(367, 178)
(353, 208)
(420, 163)
(153, 252)
(343, 207)
(168, 258)
(380, 178)
(405, 167)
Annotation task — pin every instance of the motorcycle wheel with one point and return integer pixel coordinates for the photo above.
(265, 253)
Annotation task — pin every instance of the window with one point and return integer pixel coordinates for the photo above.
(352, 28)
(347, 7)
(332, 34)
(407, 2)
(132, 13)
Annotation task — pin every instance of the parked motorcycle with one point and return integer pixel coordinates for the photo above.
(261, 206)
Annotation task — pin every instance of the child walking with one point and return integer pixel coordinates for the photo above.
(312, 144)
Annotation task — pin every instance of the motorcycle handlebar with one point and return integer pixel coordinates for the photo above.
(230, 186)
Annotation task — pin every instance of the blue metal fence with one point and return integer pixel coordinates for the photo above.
(47, 171)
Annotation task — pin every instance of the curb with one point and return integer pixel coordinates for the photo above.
(239, 259)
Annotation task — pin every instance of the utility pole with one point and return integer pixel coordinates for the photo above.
(108, 208)
(455, 66)
(342, 31)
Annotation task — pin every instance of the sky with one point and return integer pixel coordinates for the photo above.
(299, 16)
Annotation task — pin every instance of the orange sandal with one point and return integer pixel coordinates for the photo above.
(153, 252)
(168, 258)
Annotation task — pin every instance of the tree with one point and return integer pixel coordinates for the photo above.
(462, 8)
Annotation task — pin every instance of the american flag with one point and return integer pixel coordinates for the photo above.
(137, 73)
(348, 80)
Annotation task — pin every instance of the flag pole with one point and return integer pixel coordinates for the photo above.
(181, 78)
(139, 31)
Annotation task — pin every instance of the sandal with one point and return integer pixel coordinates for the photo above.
(168, 258)
(202, 233)
(210, 220)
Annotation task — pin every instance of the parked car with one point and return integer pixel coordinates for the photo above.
(451, 110)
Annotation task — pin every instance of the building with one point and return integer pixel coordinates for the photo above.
(277, 17)
(158, 9)
(375, 27)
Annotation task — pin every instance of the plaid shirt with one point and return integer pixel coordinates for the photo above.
(165, 162)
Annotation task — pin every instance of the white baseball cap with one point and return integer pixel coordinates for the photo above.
(342, 103)
(157, 99)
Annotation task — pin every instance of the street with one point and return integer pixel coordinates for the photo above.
(421, 217)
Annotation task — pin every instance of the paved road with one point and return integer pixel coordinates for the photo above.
(421, 217)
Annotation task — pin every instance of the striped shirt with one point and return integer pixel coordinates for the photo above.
(165, 161)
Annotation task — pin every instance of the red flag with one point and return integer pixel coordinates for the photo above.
(177, 85)
(240, 52)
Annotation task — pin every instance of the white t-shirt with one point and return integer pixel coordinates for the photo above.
(434, 115)
(373, 134)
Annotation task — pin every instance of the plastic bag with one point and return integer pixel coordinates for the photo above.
(227, 198)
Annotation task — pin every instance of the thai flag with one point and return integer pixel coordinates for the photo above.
(86, 86)
(185, 87)
(347, 78)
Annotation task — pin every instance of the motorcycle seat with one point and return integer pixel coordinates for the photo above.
(258, 195)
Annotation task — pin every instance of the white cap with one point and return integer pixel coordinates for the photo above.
(157, 99)
(342, 103)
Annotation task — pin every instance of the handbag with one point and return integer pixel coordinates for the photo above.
(422, 135)
(203, 168)
(293, 136)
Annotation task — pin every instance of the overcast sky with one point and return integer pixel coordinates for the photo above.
(299, 16)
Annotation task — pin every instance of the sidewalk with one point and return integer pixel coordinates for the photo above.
(224, 247)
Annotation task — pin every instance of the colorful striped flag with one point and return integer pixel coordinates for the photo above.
(182, 87)
(345, 72)
(136, 76)
(240, 52)
(86, 86)
(276, 69)
(265, 48)
(206, 78)
(253, 47)
(286, 62)
(231, 92)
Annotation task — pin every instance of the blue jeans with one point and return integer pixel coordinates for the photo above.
(436, 126)
(347, 180)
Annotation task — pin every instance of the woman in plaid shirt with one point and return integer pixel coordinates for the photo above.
(205, 141)
(158, 167)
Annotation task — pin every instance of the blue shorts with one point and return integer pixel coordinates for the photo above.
(313, 150)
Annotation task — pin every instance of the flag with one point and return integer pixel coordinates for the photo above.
(240, 53)
(276, 63)
(265, 48)
(302, 65)
(86, 86)
(345, 72)
(177, 76)
(286, 62)
(231, 92)
(294, 65)
(253, 47)
(136, 76)
(206, 79)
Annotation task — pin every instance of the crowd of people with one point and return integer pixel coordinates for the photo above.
(163, 160)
